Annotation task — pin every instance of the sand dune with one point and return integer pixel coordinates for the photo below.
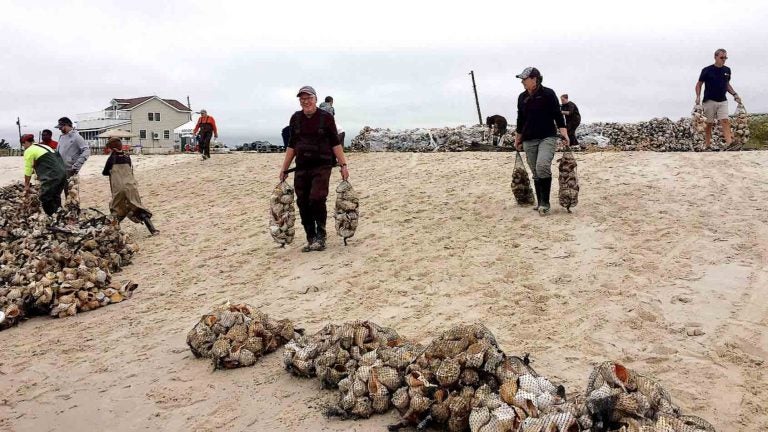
(659, 245)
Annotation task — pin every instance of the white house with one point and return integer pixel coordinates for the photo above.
(150, 119)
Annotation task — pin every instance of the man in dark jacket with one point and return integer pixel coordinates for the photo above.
(498, 126)
(538, 120)
(314, 142)
(572, 118)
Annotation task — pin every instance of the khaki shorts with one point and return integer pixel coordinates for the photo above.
(715, 111)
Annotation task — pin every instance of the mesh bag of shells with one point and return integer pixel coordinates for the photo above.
(236, 335)
(282, 214)
(521, 183)
(347, 212)
(740, 127)
(57, 269)
(336, 351)
(698, 120)
(568, 180)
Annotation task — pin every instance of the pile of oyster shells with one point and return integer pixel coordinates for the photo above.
(446, 139)
(347, 212)
(740, 127)
(48, 267)
(72, 196)
(236, 335)
(568, 180)
(282, 214)
(521, 183)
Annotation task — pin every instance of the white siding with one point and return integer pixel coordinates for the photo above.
(170, 119)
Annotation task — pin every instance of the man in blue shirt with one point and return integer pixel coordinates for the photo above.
(716, 79)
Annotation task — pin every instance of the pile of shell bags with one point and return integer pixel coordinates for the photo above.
(568, 181)
(236, 335)
(446, 139)
(740, 127)
(47, 267)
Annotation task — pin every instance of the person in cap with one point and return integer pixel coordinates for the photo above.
(47, 139)
(72, 147)
(328, 105)
(716, 79)
(49, 167)
(572, 118)
(207, 127)
(498, 126)
(314, 142)
(126, 201)
(74, 151)
(538, 121)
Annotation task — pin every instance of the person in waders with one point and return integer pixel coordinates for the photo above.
(51, 172)
(207, 127)
(126, 201)
(314, 142)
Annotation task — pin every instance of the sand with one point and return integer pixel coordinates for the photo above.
(660, 244)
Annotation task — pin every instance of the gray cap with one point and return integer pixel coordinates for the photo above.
(529, 72)
(307, 90)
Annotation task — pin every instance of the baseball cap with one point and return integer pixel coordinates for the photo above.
(529, 72)
(64, 121)
(26, 137)
(308, 90)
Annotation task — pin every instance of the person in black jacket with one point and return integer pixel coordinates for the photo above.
(498, 126)
(572, 118)
(314, 142)
(538, 120)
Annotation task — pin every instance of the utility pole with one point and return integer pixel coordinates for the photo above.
(18, 123)
(477, 101)
(189, 105)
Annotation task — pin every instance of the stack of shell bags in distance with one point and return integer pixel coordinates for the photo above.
(57, 269)
(336, 351)
(740, 127)
(446, 139)
(618, 398)
(236, 335)
(521, 183)
(369, 389)
(568, 180)
(282, 214)
(347, 213)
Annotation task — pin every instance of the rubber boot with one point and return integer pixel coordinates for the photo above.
(319, 243)
(546, 186)
(148, 222)
(537, 188)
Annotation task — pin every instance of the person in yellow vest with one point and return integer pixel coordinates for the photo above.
(49, 167)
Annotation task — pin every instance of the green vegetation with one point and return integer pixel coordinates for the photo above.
(758, 132)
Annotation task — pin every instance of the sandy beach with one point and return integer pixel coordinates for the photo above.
(661, 244)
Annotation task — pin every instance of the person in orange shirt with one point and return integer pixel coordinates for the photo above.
(47, 137)
(207, 127)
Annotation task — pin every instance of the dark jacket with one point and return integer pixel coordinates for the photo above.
(313, 139)
(573, 119)
(538, 115)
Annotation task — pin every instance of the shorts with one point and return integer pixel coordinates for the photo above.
(715, 111)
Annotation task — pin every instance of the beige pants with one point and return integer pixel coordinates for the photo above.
(715, 111)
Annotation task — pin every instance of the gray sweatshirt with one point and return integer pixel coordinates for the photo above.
(74, 150)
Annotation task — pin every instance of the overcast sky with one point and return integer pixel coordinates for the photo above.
(396, 64)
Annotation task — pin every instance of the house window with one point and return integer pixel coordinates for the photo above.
(166, 134)
(143, 133)
(157, 116)
(151, 116)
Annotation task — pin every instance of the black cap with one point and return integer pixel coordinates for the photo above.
(64, 121)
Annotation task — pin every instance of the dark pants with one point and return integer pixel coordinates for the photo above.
(572, 134)
(205, 143)
(50, 195)
(311, 187)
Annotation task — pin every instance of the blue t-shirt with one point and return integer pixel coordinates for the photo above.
(715, 81)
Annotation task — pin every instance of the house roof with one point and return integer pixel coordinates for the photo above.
(131, 103)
